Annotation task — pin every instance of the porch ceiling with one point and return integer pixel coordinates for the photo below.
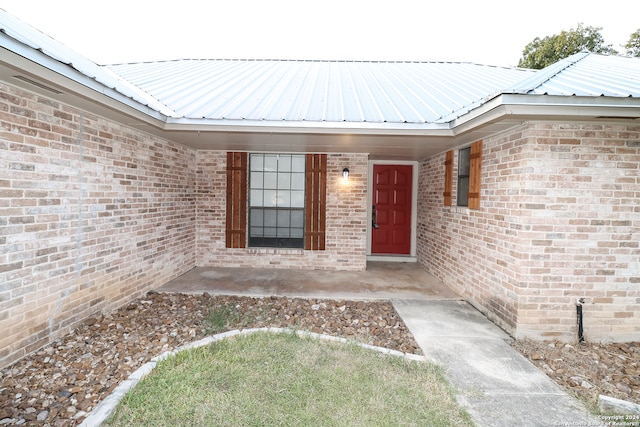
(388, 146)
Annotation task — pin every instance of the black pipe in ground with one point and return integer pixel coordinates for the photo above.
(580, 328)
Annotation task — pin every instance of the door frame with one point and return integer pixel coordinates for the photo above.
(414, 211)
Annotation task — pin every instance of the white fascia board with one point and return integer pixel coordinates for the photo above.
(531, 106)
(570, 101)
(486, 113)
(419, 129)
(34, 63)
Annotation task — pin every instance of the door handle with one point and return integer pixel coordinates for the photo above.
(374, 223)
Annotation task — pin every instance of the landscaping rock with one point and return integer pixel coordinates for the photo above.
(60, 383)
(611, 405)
(589, 369)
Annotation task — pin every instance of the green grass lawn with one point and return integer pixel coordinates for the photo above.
(269, 379)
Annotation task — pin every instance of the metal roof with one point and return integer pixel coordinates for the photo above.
(31, 41)
(585, 74)
(328, 94)
(318, 91)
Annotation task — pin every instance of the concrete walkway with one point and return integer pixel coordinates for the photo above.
(497, 385)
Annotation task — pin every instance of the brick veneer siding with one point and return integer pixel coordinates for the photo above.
(559, 220)
(346, 220)
(93, 214)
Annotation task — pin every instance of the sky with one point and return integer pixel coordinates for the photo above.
(492, 32)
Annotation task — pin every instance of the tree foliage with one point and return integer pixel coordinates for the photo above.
(540, 53)
(633, 45)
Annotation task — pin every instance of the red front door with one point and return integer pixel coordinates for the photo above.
(391, 211)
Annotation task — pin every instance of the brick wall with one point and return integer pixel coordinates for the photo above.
(92, 214)
(472, 251)
(346, 220)
(559, 220)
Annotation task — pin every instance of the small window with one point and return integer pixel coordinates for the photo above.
(276, 200)
(463, 176)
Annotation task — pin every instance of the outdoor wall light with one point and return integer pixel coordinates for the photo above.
(345, 174)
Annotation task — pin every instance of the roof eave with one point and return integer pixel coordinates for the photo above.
(530, 107)
(36, 65)
(281, 126)
(570, 101)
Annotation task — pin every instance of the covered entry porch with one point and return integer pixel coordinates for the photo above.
(380, 281)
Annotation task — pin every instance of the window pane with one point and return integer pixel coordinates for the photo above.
(284, 199)
(270, 162)
(463, 162)
(298, 163)
(256, 218)
(270, 218)
(256, 232)
(297, 199)
(284, 181)
(284, 219)
(297, 181)
(255, 198)
(257, 179)
(270, 199)
(463, 192)
(284, 163)
(270, 180)
(463, 177)
(297, 219)
(284, 233)
(257, 162)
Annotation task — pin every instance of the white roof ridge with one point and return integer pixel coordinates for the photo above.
(333, 61)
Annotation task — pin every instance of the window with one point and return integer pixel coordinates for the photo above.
(286, 198)
(463, 177)
(469, 176)
(276, 200)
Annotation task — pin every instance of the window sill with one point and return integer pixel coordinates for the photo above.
(459, 210)
(276, 251)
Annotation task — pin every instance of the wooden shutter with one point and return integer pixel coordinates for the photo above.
(448, 177)
(475, 169)
(315, 202)
(236, 236)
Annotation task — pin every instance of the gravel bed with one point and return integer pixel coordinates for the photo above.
(60, 384)
(588, 370)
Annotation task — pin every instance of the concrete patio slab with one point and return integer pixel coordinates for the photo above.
(381, 281)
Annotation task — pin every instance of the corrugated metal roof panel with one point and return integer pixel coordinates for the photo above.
(318, 91)
(34, 39)
(586, 74)
(333, 92)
